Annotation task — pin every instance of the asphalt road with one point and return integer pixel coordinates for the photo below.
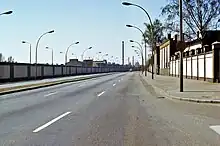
(115, 110)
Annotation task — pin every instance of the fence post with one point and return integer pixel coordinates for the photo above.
(216, 60)
(191, 66)
(206, 48)
(175, 66)
(42, 72)
(186, 64)
(197, 53)
(11, 71)
(29, 71)
(53, 68)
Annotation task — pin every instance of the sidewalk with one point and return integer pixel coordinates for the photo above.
(194, 90)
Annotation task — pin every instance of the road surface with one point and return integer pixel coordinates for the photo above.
(115, 110)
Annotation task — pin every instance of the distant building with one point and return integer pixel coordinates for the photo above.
(88, 63)
(74, 62)
(100, 63)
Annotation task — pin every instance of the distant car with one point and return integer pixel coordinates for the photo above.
(130, 70)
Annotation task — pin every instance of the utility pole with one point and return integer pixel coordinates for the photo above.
(132, 60)
(181, 44)
(123, 52)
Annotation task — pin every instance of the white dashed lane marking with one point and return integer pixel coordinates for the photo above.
(215, 128)
(50, 94)
(100, 94)
(50, 122)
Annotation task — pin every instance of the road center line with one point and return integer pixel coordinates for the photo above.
(100, 94)
(50, 94)
(51, 122)
(114, 84)
(215, 128)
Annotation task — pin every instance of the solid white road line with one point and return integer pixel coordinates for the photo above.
(114, 84)
(216, 128)
(50, 94)
(51, 122)
(100, 94)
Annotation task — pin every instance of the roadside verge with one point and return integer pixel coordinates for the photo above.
(20, 88)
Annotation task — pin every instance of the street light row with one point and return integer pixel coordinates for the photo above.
(152, 30)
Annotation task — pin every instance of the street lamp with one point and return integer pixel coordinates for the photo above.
(85, 51)
(104, 55)
(25, 42)
(181, 41)
(132, 41)
(116, 60)
(97, 55)
(6, 13)
(68, 50)
(52, 52)
(145, 47)
(152, 29)
(52, 31)
(142, 53)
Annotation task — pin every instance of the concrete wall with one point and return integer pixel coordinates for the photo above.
(22, 71)
(209, 67)
(48, 71)
(4, 71)
(58, 70)
(193, 67)
(33, 71)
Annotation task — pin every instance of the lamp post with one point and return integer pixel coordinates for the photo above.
(52, 31)
(85, 51)
(6, 13)
(181, 42)
(142, 53)
(145, 46)
(116, 60)
(104, 55)
(97, 54)
(68, 50)
(51, 51)
(25, 42)
(152, 29)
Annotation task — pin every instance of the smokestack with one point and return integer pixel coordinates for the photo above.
(123, 52)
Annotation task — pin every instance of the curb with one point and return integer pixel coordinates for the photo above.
(50, 84)
(168, 96)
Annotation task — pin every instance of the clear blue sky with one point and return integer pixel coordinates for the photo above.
(96, 23)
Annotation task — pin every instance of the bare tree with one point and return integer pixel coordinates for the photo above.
(1, 57)
(10, 59)
(198, 15)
